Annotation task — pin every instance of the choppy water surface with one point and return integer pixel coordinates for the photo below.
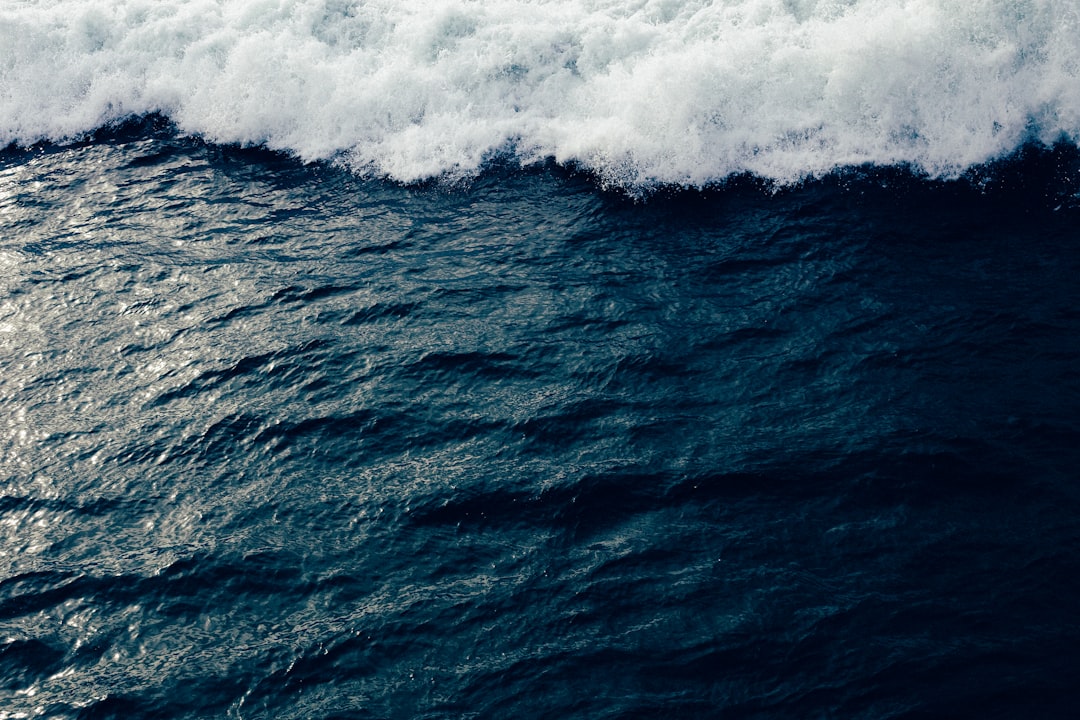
(277, 442)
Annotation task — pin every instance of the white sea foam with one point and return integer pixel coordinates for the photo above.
(638, 91)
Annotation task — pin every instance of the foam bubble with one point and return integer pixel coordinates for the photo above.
(640, 92)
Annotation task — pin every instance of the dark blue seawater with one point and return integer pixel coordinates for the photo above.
(281, 442)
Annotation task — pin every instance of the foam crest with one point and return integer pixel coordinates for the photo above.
(642, 92)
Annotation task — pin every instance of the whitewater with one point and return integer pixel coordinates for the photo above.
(639, 93)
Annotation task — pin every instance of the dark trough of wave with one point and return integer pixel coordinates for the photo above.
(285, 443)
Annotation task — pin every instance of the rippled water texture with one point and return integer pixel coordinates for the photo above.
(277, 442)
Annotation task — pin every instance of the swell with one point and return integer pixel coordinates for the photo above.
(316, 447)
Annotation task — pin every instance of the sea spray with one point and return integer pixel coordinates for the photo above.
(640, 93)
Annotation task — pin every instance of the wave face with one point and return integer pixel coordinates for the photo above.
(639, 92)
(281, 443)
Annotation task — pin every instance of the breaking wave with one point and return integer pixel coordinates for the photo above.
(639, 92)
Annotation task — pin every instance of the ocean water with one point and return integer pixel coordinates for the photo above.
(565, 359)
